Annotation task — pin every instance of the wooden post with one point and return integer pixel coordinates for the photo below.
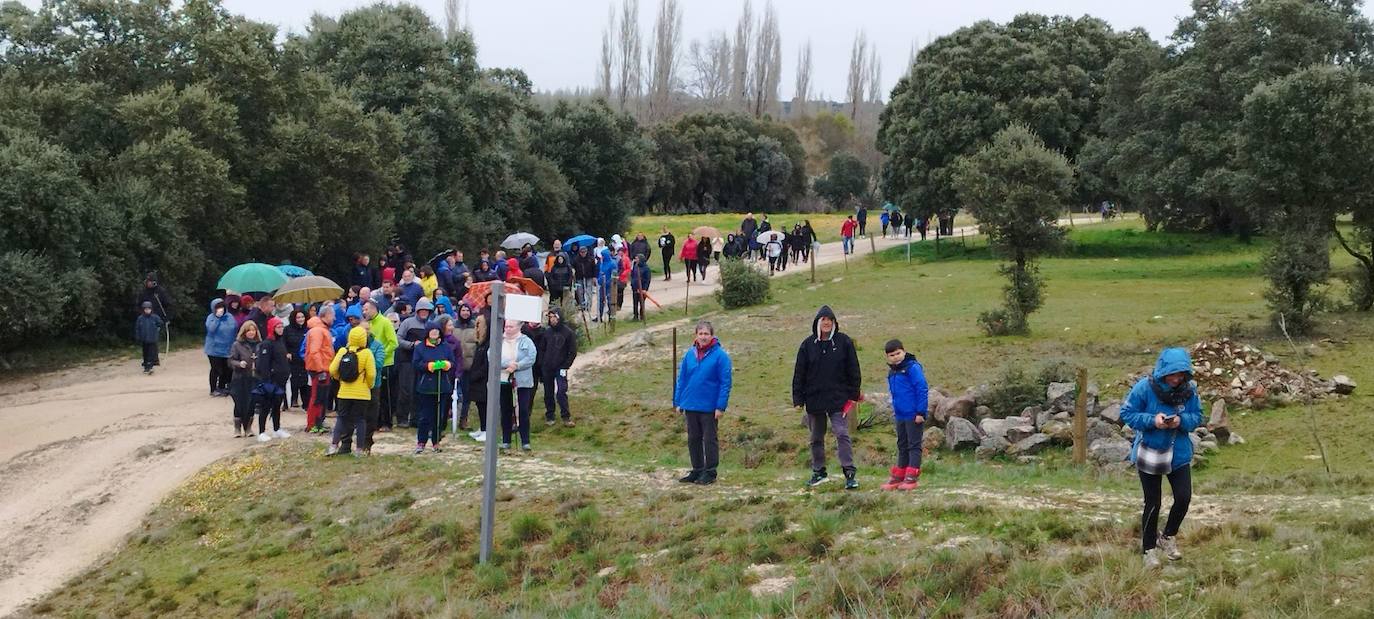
(1080, 419)
(687, 298)
(872, 246)
(812, 250)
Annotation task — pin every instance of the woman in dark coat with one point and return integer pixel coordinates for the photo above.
(703, 255)
(294, 339)
(476, 376)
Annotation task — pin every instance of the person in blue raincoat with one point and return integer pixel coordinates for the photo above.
(701, 395)
(608, 271)
(1163, 409)
(220, 331)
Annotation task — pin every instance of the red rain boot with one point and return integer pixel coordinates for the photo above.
(912, 475)
(895, 480)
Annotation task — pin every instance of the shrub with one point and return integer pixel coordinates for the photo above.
(1012, 390)
(529, 527)
(741, 285)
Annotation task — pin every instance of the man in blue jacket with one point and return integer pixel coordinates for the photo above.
(1163, 409)
(701, 394)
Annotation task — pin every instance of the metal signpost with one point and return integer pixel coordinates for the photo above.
(498, 326)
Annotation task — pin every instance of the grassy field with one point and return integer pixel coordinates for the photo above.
(594, 524)
(826, 225)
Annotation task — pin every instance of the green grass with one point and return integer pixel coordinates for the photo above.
(1271, 534)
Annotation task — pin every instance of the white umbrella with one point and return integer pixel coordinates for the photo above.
(519, 240)
(772, 235)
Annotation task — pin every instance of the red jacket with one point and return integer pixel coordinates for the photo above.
(624, 268)
(847, 228)
(689, 251)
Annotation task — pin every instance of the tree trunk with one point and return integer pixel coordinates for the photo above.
(1365, 300)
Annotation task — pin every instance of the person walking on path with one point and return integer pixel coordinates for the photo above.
(353, 367)
(220, 333)
(826, 382)
(862, 216)
(557, 349)
(243, 358)
(704, 250)
(518, 354)
(689, 257)
(147, 332)
(1163, 409)
(885, 218)
(906, 382)
(808, 240)
(847, 234)
(608, 271)
(666, 245)
(584, 267)
(560, 278)
(702, 395)
(319, 351)
(435, 365)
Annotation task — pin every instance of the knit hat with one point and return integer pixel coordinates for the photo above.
(147, 305)
(245, 300)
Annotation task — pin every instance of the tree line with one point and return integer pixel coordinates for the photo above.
(1255, 117)
(179, 138)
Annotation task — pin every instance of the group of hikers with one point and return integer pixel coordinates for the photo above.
(402, 353)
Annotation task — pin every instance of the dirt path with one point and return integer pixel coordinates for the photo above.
(88, 452)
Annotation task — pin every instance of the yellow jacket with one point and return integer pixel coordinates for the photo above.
(360, 389)
(429, 285)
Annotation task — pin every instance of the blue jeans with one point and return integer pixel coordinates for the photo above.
(847, 242)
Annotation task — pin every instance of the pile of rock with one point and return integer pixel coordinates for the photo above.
(1248, 377)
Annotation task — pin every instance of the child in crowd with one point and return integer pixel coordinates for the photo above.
(147, 327)
(906, 381)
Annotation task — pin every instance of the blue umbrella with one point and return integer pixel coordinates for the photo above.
(581, 239)
(293, 271)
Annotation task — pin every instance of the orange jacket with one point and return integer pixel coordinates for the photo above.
(319, 346)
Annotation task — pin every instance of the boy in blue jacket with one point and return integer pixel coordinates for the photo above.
(906, 380)
(146, 330)
(1163, 409)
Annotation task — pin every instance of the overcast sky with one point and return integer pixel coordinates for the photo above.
(557, 42)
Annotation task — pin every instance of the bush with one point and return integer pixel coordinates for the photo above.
(59, 294)
(741, 285)
(529, 527)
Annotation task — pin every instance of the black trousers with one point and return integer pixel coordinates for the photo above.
(555, 391)
(300, 386)
(384, 400)
(702, 445)
(702, 264)
(511, 399)
(242, 391)
(668, 265)
(149, 354)
(220, 374)
(637, 300)
(1181, 483)
(909, 435)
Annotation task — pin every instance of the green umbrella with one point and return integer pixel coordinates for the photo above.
(252, 277)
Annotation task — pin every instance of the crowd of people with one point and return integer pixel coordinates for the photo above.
(399, 351)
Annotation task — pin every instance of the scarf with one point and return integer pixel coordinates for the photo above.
(701, 351)
(1172, 397)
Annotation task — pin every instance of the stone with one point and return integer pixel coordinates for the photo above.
(983, 412)
(1342, 384)
(1012, 429)
(961, 406)
(1028, 459)
(1041, 417)
(1062, 416)
(1112, 413)
(991, 446)
(881, 401)
(1030, 445)
(960, 433)
(1060, 396)
(1127, 432)
(1060, 432)
(933, 438)
(1219, 423)
(1098, 429)
(933, 399)
(1207, 446)
(1197, 442)
(1109, 450)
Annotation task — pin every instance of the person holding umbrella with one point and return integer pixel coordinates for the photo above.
(701, 395)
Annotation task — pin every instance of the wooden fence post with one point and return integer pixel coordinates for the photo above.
(1080, 419)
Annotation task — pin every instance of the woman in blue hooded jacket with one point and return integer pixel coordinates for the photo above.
(608, 271)
(220, 331)
(1163, 409)
(701, 395)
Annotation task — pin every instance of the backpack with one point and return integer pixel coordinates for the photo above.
(348, 365)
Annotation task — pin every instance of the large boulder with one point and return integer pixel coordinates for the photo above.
(1112, 413)
(1035, 414)
(1098, 429)
(1060, 432)
(1342, 384)
(933, 438)
(933, 399)
(961, 406)
(991, 446)
(960, 433)
(1012, 429)
(1219, 422)
(1029, 445)
(983, 412)
(881, 401)
(1060, 396)
(1109, 451)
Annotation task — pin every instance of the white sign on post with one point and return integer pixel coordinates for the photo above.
(525, 308)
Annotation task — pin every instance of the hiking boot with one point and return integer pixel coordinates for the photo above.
(898, 473)
(913, 475)
(691, 478)
(568, 423)
(851, 481)
(1152, 559)
(1169, 546)
(817, 478)
(707, 478)
(548, 421)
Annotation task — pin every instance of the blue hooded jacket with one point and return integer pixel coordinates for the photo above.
(907, 383)
(220, 331)
(608, 269)
(1141, 406)
(341, 331)
(704, 386)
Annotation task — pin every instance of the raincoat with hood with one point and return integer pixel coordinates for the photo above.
(319, 346)
(220, 331)
(1151, 396)
(704, 379)
(906, 381)
(361, 387)
(826, 374)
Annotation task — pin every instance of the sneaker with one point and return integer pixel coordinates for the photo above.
(419, 449)
(238, 433)
(525, 447)
(479, 436)
(264, 437)
(332, 451)
(817, 478)
(1152, 559)
(1169, 546)
(568, 423)
(851, 480)
(384, 429)
(436, 449)
(548, 421)
(282, 434)
(691, 478)
(706, 479)
(505, 446)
